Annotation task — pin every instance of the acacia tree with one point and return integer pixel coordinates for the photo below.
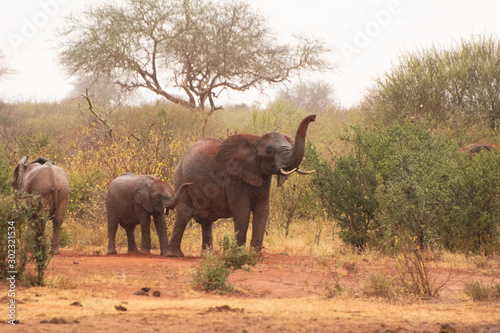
(198, 47)
(312, 96)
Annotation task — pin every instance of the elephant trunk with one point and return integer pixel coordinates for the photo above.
(300, 143)
(175, 200)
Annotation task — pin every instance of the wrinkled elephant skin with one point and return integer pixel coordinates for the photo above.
(131, 201)
(232, 178)
(41, 177)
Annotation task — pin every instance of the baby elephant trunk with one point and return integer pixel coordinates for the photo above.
(170, 204)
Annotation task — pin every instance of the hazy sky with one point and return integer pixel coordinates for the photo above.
(367, 36)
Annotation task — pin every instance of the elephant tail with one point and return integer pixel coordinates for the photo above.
(55, 190)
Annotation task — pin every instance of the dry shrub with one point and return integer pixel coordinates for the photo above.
(380, 285)
(64, 282)
(479, 291)
(415, 275)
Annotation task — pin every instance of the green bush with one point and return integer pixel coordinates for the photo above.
(473, 220)
(212, 275)
(23, 237)
(5, 172)
(235, 257)
(215, 269)
(406, 182)
(459, 83)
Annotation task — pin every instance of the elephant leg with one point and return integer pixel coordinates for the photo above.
(161, 230)
(56, 227)
(259, 222)
(146, 235)
(57, 221)
(112, 228)
(132, 246)
(206, 232)
(241, 217)
(182, 217)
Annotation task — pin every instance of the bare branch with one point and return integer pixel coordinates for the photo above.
(97, 115)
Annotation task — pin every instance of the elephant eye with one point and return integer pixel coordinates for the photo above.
(269, 151)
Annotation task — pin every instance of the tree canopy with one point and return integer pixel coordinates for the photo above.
(194, 47)
(460, 83)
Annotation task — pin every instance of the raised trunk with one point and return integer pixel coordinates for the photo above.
(175, 200)
(300, 143)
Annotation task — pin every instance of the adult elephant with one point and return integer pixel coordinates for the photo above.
(41, 177)
(232, 178)
(132, 200)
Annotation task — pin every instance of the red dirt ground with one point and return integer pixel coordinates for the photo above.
(281, 294)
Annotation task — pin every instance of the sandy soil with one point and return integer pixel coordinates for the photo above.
(281, 294)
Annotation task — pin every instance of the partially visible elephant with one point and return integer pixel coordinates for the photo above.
(475, 148)
(232, 178)
(132, 200)
(41, 177)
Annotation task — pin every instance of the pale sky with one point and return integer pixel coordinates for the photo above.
(367, 36)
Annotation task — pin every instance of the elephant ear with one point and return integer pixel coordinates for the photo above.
(18, 174)
(238, 154)
(142, 194)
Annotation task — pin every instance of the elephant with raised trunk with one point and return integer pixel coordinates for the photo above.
(41, 177)
(132, 200)
(232, 178)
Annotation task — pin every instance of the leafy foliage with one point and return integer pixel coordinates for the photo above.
(23, 237)
(404, 182)
(459, 84)
(5, 172)
(215, 269)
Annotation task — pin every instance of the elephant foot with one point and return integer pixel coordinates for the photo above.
(145, 251)
(111, 252)
(133, 251)
(55, 251)
(175, 253)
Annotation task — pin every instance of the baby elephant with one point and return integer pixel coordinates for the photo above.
(132, 200)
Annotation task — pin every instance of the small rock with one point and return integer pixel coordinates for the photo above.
(145, 289)
(76, 304)
(447, 328)
(156, 293)
(120, 308)
(54, 321)
(140, 293)
(224, 308)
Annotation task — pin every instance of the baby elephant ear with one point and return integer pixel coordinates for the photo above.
(142, 194)
(238, 154)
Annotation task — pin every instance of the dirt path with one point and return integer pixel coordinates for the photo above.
(282, 294)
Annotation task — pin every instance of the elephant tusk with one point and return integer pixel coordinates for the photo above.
(286, 173)
(300, 172)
